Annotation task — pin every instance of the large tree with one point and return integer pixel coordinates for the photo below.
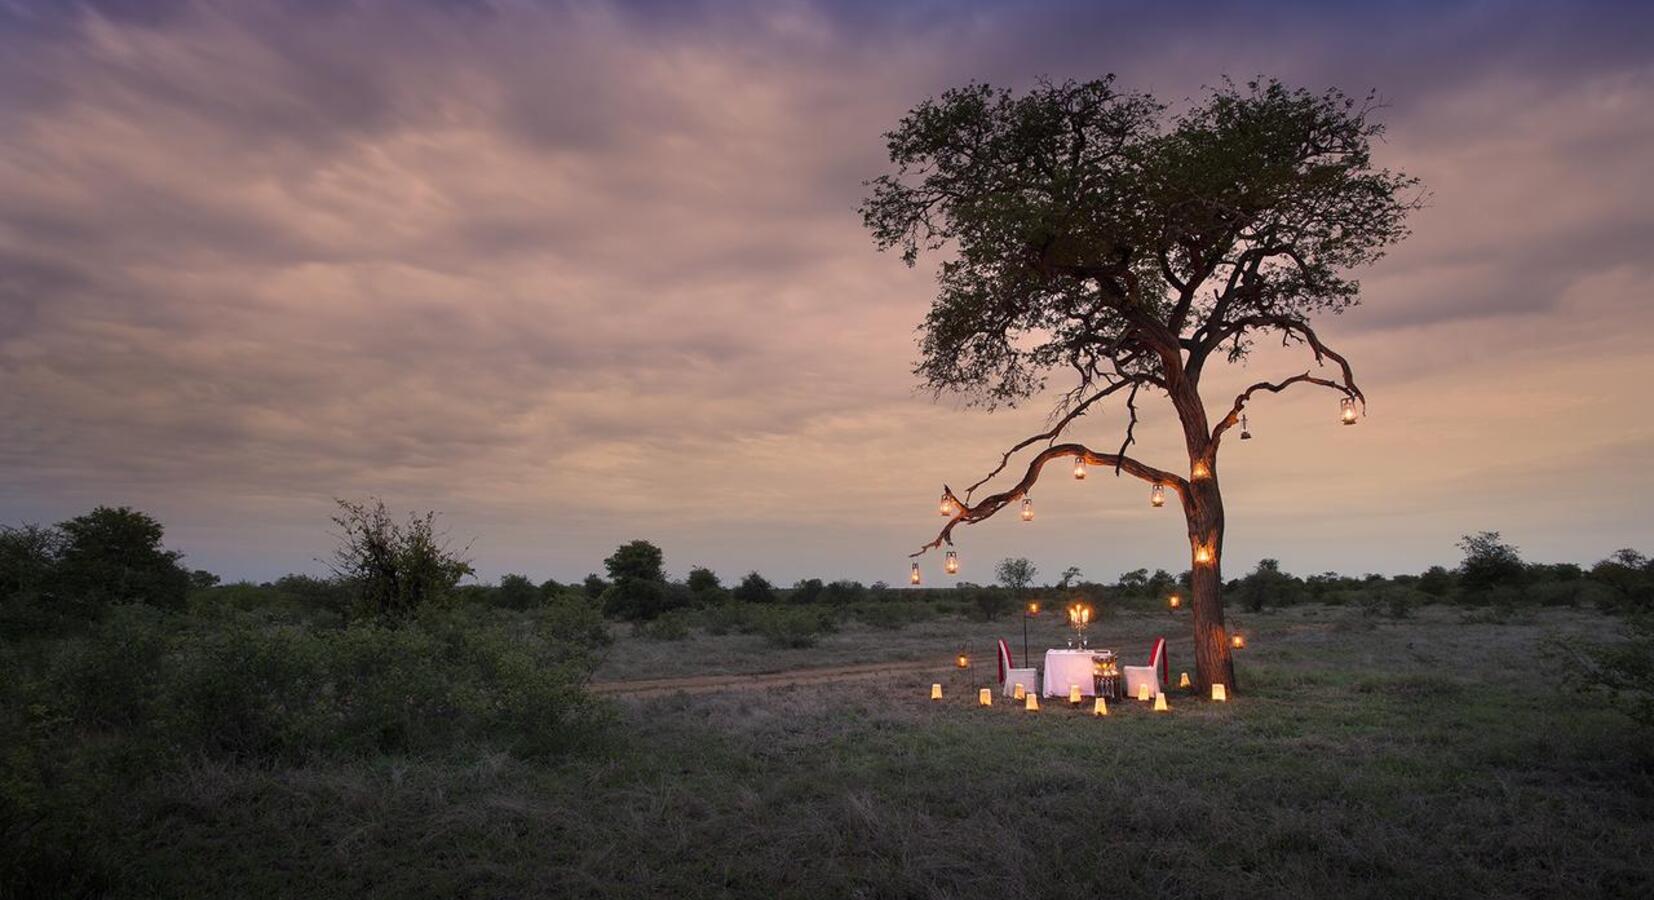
(1096, 236)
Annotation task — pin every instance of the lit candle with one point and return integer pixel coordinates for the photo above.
(1184, 681)
(1031, 702)
(1018, 691)
(1237, 641)
(1100, 708)
(1160, 703)
(1174, 601)
(962, 661)
(936, 692)
(1074, 694)
(984, 697)
(1143, 691)
(1220, 693)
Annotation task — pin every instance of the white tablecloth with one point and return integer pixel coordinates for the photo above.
(1066, 667)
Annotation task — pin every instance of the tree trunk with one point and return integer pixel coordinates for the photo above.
(1204, 511)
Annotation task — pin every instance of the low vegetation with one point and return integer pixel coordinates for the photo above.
(392, 730)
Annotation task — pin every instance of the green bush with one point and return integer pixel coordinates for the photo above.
(673, 626)
(794, 628)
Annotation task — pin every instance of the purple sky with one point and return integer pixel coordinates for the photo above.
(577, 273)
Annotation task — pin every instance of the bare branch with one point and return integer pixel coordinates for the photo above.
(994, 503)
(1274, 388)
(1050, 434)
(1131, 428)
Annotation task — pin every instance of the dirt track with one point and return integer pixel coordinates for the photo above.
(701, 684)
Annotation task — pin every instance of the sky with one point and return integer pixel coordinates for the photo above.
(577, 273)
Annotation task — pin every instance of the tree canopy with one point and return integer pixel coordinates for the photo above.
(1095, 233)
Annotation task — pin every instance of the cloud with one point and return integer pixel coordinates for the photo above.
(577, 273)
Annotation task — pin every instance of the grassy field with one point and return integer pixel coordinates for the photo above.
(1366, 757)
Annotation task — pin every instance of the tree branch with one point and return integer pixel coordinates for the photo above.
(1048, 435)
(994, 503)
(1274, 388)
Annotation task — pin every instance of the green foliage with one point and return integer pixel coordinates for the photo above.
(517, 592)
(594, 586)
(754, 588)
(1490, 563)
(1624, 668)
(1436, 581)
(392, 569)
(702, 580)
(843, 593)
(639, 560)
(1265, 584)
(1630, 575)
(806, 591)
(114, 556)
(672, 626)
(1016, 574)
(1078, 195)
(794, 627)
(634, 599)
(992, 602)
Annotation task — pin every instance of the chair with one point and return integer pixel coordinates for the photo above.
(1010, 676)
(1155, 674)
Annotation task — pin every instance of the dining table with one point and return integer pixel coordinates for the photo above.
(1065, 668)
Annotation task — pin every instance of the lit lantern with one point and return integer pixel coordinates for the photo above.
(946, 506)
(1079, 468)
(1100, 708)
(1184, 681)
(1160, 703)
(1220, 693)
(1033, 609)
(1030, 702)
(913, 577)
(952, 563)
(1143, 691)
(1157, 496)
(1027, 509)
(1200, 470)
(1074, 694)
(1174, 602)
(936, 691)
(1237, 641)
(984, 697)
(962, 661)
(1245, 435)
(1018, 691)
(1346, 410)
(1203, 554)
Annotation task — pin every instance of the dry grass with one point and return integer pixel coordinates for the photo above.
(1421, 757)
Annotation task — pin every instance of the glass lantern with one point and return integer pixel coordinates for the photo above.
(1157, 496)
(952, 563)
(1027, 509)
(1346, 410)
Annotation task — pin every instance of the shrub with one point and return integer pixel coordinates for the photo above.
(517, 592)
(735, 617)
(991, 603)
(673, 626)
(638, 560)
(393, 569)
(1489, 563)
(794, 628)
(806, 591)
(634, 599)
(1624, 670)
(754, 588)
(844, 593)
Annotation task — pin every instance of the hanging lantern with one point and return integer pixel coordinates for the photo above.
(1079, 468)
(1237, 641)
(1160, 703)
(1245, 435)
(952, 563)
(1033, 608)
(1030, 702)
(1346, 410)
(1027, 509)
(1157, 496)
(1174, 602)
(962, 661)
(1220, 693)
(984, 697)
(1100, 708)
(913, 577)
(936, 691)
(946, 506)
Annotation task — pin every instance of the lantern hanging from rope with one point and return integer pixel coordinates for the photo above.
(1027, 509)
(1157, 496)
(952, 563)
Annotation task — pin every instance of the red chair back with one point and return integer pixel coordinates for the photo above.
(1157, 658)
(1004, 659)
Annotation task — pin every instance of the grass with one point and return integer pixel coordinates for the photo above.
(1363, 757)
